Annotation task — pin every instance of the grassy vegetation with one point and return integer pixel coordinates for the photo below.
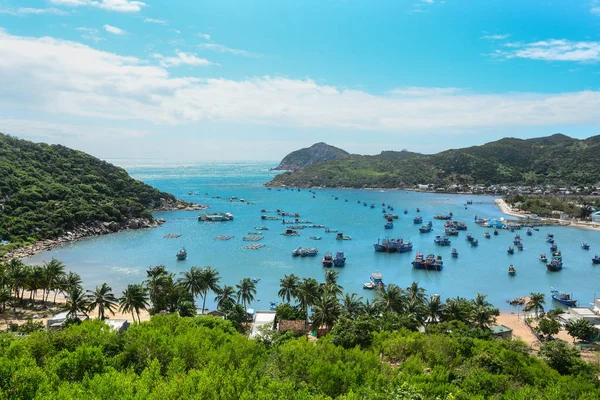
(544, 206)
(47, 190)
(556, 159)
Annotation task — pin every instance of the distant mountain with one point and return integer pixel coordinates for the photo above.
(47, 191)
(302, 158)
(556, 159)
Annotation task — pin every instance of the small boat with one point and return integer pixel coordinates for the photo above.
(389, 225)
(496, 232)
(442, 241)
(181, 254)
(555, 265)
(291, 232)
(474, 243)
(443, 216)
(377, 280)
(405, 212)
(327, 260)
(517, 237)
(543, 258)
(369, 285)
(487, 235)
(304, 253)
(418, 210)
(554, 247)
(364, 204)
(512, 271)
(426, 228)
(469, 237)
(340, 259)
(529, 233)
(520, 246)
(255, 280)
(429, 263)
(450, 231)
(341, 236)
(585, 246)
(312, 252)
(372, 205)
(550, 240)
(563, 298)
(261, 228)
(297, 252)
(511, 250)
(557, 254)
(418, 220)
(329, 230)
(596, 259)
(315, 237)
(454, 253)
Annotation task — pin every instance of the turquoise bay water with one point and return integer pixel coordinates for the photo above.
(123, 258)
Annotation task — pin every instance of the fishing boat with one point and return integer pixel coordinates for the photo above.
(315, 237)
(312, 252)
(369, 285)
(418, 261)
(459, 226)
(554, 247)
(401, 246)
(426, 228)
(341, 236)
(554, 265)
(372, 205)
(487, 235)
(291, 232)
(563, 298)
(273, 305)
(442, 241)
(557, 254)
(429, 263)
(364, 204)
(496, 232)
(512, 271)
(585, 246)
(382, 247)
(377, 280)
(474, 243)
(543, 258)
(327, 260)
(418, 220)
(418, 209)
(304, 253)
(443, 216)
(511, 250)
(469, 237)
(450, 231)
(261, 228)
(215, 217)
(520, 246)
(296, 252)
(181, 254)
(529, 233)
(405, 212)
(340, 259)
(596, 259)
(329, 230)
(389, 225)
(255, 280)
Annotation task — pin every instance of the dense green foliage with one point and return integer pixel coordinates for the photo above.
(47, 190)
(556, 159)
(204, 357)
(547, 206)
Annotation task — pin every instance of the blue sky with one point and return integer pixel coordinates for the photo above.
(223, 80)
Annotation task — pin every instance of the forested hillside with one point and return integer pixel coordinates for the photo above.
(557, 159)
(46, 190)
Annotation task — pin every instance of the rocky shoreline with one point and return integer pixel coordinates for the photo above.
(102, 228)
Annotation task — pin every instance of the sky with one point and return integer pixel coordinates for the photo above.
(254, 80)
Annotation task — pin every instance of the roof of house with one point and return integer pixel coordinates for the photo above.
(498, 329)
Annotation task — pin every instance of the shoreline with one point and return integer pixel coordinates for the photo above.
(96, 229)
(507, 209)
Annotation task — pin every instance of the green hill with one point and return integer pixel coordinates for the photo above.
(556, 159)
(316, 153)
(47, 190)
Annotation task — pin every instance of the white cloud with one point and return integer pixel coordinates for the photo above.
(155, 21)
(70, 79)
(33, 11)
(552, 50)
(428, 1)
(219, 48)
(495, 37)
(418, 91)
(595, 7)
(205, 36)
(90, 34)
(109, 5)
(114, 30)
(182, 59)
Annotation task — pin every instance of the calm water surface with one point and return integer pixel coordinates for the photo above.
(123, 258)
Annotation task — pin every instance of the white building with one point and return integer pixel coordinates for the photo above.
(262, 318)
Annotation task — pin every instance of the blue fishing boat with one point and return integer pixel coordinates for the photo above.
(469, 237)
(512, 271)
(429, 263)
(296, 252)
(596, 259)
(454, 253)
(554, 247)
(442, 241)
(450, 231)
(327, 260)
(312, 252)
(496, 232)
(543, 258)
(389, 225)
(426, 228)
(340, 259)
(443, 216)
(418, 220)
(487, 235)
(474, 243)
(563, 298)
(401, 246)
(585, 246)
(555, 265)
(520, 246)
(529, 233)
(181, 254)
(511, 250)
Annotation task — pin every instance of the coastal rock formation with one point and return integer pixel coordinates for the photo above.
(304, 157)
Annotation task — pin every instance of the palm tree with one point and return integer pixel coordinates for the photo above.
(35, 281)
(391, 298)
(70, 280)
(483, 317)
(158, 283)
(536, 302)
(103, 299)
(352, 305)
(308, 293)
(331, 286)
(289, 287)
(76, 303)
(53, 270)
(225, 296)
(246, 291)
(192, 281)
(326, 310)
(210, 281)
(135, 298)
(457, 309)
(480, 300)
(435, 309)
(18, 276)
(416, 311)
(415, 293)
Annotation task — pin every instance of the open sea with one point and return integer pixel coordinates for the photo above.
(122, 258)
